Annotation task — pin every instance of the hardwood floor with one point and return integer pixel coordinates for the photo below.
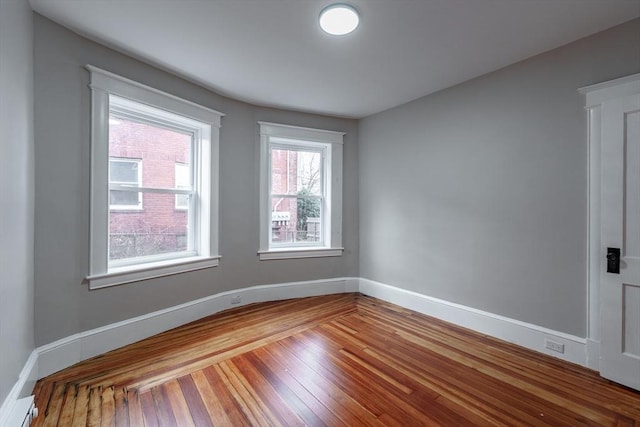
(332, 360)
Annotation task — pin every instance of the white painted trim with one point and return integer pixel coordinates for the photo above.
(23, 413)
(593, 233)
(594, 260)
(137, 272)
(301, 133)
(290, 253)
(112, 83)
(73, 349)
(507, 329)
(593, 354)
(22, 387)
(598, 93)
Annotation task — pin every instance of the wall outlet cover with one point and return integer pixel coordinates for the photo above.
(553, 345)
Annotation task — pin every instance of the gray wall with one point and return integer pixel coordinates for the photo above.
(64, 305)
(16, 180)
(478, 194)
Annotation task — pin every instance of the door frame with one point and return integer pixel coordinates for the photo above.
(595, 95)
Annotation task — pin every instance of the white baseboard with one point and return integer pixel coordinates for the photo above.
(21, 388)
(70, 350)
(510, 330)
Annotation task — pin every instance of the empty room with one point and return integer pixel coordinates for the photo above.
(316, 212)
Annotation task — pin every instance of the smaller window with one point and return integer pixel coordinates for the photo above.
(124, 173)
(300, 192)
(183, 182)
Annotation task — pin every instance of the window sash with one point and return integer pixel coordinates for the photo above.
(141, 260)
(125, 109)
(129, 110)
(191, 249)
(298, 146)
(138, 189)
(297, 196)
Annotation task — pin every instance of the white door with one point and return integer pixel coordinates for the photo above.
(620, 229)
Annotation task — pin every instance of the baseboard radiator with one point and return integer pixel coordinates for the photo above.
(24, 411)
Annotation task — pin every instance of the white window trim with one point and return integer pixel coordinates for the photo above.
(103, 84)
(332, 245)
(139, 206)
(122, 275)
(292, 253)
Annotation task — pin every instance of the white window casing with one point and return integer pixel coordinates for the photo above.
(168, 110)
(330, 145)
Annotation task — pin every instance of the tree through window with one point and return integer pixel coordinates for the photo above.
(300, 202)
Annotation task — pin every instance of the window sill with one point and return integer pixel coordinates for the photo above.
(292, 253)
(122, 275)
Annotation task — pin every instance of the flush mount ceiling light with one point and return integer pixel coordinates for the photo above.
(339, 19)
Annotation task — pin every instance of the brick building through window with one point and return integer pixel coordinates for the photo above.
(148, 223)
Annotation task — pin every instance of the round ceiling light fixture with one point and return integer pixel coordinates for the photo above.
(339, 19)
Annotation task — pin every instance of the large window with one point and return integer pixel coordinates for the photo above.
(154, 183)
(301, 192)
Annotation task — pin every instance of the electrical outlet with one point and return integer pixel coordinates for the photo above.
(553, 345)
(236, 299)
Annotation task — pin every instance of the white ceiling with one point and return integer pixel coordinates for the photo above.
(273, 53)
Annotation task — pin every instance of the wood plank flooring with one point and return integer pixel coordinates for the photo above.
(336, 360)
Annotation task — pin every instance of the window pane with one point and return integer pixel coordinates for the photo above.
(308, 224)
(124, 198)
(296, 172)
(296, 220)
(159, 148)
(123, 171)
(309, 177)
(158, 229)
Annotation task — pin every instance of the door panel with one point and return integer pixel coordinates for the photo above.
(631, 306)
(620, 293)
(631, 233)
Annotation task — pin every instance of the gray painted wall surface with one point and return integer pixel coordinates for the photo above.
(64, 305)
(478, 194)
(16, 180)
